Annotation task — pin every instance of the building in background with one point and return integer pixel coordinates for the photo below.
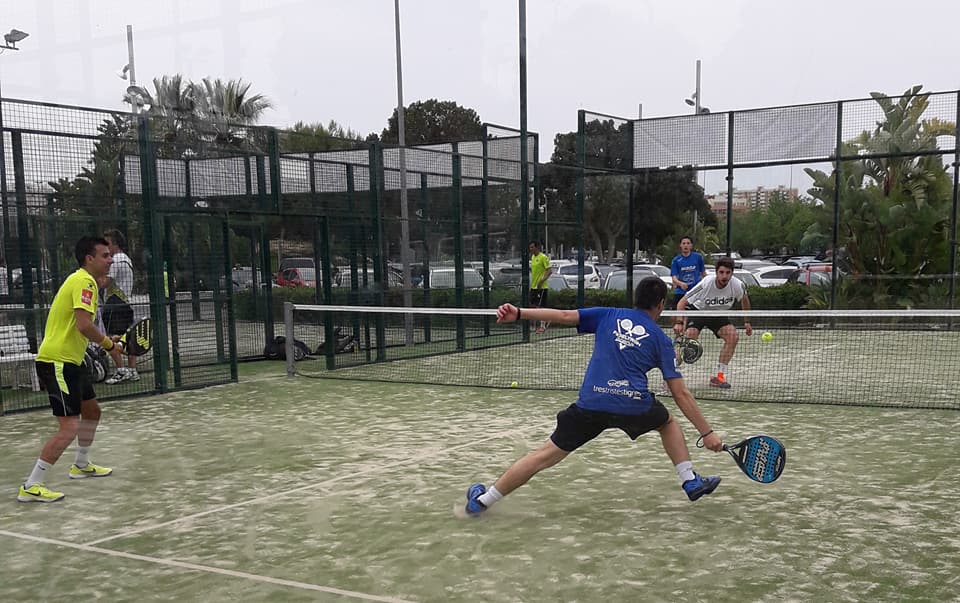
(751, 199)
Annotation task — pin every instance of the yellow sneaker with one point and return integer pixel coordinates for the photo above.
(90, 470)
(38, 493)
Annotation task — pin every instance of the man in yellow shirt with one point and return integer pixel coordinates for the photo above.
(540, 271)
(60, 369)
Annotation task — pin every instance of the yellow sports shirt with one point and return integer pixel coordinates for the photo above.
(539, 264)
(62, 342)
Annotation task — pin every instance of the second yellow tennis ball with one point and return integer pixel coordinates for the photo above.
(768, 336)
(514, 384)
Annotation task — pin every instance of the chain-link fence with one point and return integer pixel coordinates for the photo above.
(866, 198)
(223, 223)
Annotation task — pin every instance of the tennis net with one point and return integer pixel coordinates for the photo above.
(907, 359)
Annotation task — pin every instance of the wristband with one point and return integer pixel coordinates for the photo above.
(518, 313)
(700, 439)
(105, 341)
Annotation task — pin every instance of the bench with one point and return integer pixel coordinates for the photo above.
(15, 351)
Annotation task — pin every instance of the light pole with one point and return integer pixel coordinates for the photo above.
(9, 43)
(694, 100)
(404, 208)
(131, 69)
(698, 109)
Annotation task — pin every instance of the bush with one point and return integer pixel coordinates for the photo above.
(790, 296)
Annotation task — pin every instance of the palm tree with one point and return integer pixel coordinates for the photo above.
(895, 201)
(224, 105)
(188, 113)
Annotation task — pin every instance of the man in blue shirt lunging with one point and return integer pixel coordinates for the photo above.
(687, 269)
(614, 393)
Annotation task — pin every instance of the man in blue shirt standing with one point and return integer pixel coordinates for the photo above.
(687, 269)
(614, 393)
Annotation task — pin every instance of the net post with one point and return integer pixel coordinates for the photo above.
(288, 337)
(424, 197)
(458, 244)
(330, 343)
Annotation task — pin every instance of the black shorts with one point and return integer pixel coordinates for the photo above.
(673, 299)
(117, 315)
(538, 298)
(714, 324)
(67, 385)
(576, 426)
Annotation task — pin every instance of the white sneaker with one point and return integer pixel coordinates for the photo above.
(133, 375)
(120, 376)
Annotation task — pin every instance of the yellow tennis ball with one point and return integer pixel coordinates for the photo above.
(514, 384)
(768, 336)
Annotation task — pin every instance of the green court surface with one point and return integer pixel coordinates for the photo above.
(278, 489)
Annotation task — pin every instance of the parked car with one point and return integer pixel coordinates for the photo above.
(446, 278)
(296, 262)
(342, 277)
(605, 269)
(242, 277)
(662, 271)
(813, 275)
(752, 264)
(555, 282)
(17, 276)
(747, 278)
(774, 275)
(618, 278)
(571, 272)
(802, 261)
(297, 277)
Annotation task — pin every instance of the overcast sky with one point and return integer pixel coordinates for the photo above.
(335, 59)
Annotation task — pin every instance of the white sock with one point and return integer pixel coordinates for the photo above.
(721, 368)
(490, 496)
(685, 471)
(39, 470)
(82, 454)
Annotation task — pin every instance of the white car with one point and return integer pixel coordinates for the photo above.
(446, 278)
(747, 278)
(571, 273)
(753, 265)
(662, 271)
(774, 275)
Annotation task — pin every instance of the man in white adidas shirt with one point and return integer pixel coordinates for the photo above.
(118, 314)
(716, 292)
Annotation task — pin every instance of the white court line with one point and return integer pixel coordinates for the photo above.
(286, 493)
(203, 568)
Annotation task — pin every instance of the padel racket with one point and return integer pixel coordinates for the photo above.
(762, 458)
(138, 338)
(688, 350)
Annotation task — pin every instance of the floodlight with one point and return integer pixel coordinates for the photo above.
(15, 36)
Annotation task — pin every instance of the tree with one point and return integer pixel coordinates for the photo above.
(894, 206)
(434, 121)
(783, 226)
(191, 116)
(315, 138)
(662, 198)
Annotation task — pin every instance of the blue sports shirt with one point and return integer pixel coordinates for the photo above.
(628, 343)
(687, 269)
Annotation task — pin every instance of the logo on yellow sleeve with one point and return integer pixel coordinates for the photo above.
(86, 297)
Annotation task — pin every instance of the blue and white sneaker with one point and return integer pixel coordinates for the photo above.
(474, 506)
(700, 486)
